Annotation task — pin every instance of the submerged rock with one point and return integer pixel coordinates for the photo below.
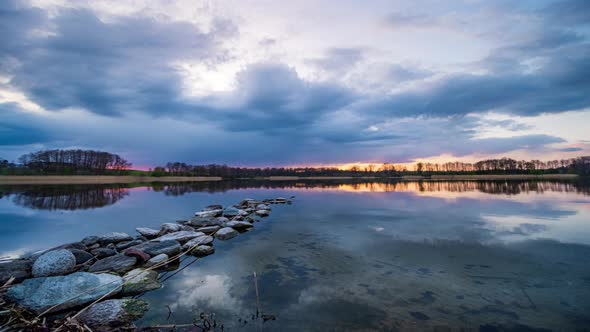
(115, 237)
(82, 256)
(20, 269)
(54, 263)
(156, 260)
(112, 314)
(203, 251)
(118, 263)
(138, 281)
(169, 248)
(226, 233)
(181, 236)
(76, 289)
(149, 233)
(201, 240)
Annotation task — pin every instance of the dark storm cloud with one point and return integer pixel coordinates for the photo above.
(107, 68)
(272, 97)
(19, 129)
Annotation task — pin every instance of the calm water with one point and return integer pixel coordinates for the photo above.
(348, 256)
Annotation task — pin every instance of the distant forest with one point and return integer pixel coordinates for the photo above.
(89, 162)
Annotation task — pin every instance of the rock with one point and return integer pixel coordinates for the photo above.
(202, 251)
(239, 225)
(201, 240)
(20, 269)
(262, 207)
(213, 207)
(209, 229)
(169, 248)
(187, 228)
(81, 256)
(115, 237)
(118, 263)
(222, 220)
(140, 255)
(149, 233)
(127, 244)
(73, 245)
(156, 260)
(90, 240)
(231, 212)
(226, 233)
(103, 252)
(76, 289)
(209, 214)
(262, 213)
(139, 281)
(181, 236)
(169, 228)
(94, 246)
(54, 263)
(110, 246)
(203, 221)
(113, 314)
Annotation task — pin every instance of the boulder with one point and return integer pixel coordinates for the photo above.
(102, 252)
(262, 213)
(226, 233)
(90, 240)
(156, 260)
(111, 315)
(149, 233)
(114, 237)
(239, 225)
(201, 240)
(127, 244)
(73, 290)
(262, 207)
(181, 236)
(140, 255)
(118, 263)
(169, 228)
(231, 212)
(209, 214)
(82, 256)
(169, 248)
(187, 228)
(201, 251)
(213, 207)
(54, 263)
(20, 269)
(203, 221)
(139, 281)
(209, 229)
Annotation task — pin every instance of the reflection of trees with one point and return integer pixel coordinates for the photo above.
(74, 197)
(67, 197)
(490, 187)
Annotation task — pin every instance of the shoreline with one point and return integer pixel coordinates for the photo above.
(98, 179)
(125, 179)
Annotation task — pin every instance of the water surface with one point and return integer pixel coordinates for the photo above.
(347, 255)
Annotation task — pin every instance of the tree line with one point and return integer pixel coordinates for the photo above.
(100, 162)
(580, 165)
(73, 161)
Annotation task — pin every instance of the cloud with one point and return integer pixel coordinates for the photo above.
(113, 67)
(570, 149)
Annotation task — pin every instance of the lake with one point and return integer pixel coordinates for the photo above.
(346, 255)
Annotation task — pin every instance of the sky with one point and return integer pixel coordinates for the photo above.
(288, 83)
